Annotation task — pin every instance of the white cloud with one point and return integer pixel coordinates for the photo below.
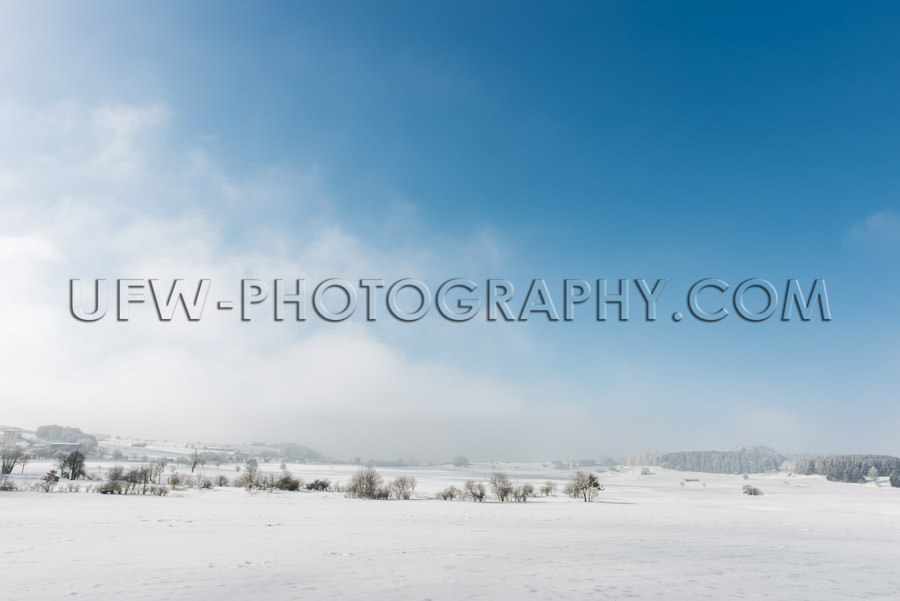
(18, 248)
(882, 228)
(90, 193)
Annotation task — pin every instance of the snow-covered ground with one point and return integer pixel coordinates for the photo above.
(646, 537)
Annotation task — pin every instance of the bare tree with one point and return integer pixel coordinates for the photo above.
(197, 460)
(365, 484)
(49, 480)
(402, 487)
(583, 484)
(138, 480)
(10, 457)
(474, 491)
(115, 473)
(72, 466)
(157, 469)
(501, 486)
(250, 477)
(548, 489)
(522, 492)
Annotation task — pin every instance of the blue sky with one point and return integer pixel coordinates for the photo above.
(513, 140)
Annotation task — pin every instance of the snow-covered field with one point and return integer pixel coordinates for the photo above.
(647, 537)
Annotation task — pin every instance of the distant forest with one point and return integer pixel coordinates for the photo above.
(748, 460)
(743, 460)
(847, 468)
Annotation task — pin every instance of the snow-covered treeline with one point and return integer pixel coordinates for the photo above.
(846, 468)
(742, 460)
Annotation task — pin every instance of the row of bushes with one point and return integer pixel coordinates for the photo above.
(366, 483)
(582, 485)
(250, 477)
(148, 480)
(120, 482)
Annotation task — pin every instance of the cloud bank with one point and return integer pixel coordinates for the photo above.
(101, 192)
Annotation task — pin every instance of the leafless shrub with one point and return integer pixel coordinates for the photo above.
(197, 460)
(157, 468)
(449, 494)
(365, 484)
(584, 485)
(116, 472)
(10, 457)
(403, 487)
(751, 490)
(521, 493)
(137, 480)
(318, 484)
(158, 490)
(112, 487)
(48, 481)
(548, 489)
(474, 491)
(501, 486)
(264, 481)
(287, 482)
(250, 477)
